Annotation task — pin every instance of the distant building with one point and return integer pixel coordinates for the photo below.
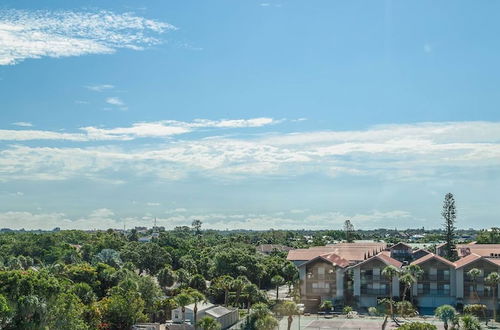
(225, 316)
(269, 248)
(149, 326)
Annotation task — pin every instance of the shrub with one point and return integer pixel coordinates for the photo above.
(417, 326)
(469, 322)
(373, 311)
(477, 310)
(347, 309)
(406, 309)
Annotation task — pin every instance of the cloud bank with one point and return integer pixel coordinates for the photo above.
(35, 34)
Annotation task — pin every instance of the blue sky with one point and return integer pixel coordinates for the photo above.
(248, 114)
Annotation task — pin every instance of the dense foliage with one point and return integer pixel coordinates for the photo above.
(110, 280)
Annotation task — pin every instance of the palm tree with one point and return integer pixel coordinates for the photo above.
(277, 280)
(238, 285)
(473, 274)
(250, 292)
(446, 313)
(289, 308)
(226, 283)
(407, 279)
(268, 322)
(209, 323)
(390, 272)
(183, 299)
(196, 297)
(493, 280)
(416, 271)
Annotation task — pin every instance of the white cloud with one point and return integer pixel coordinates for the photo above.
(106, 218)
(160, 129)
(117, 102)
(100, 88)
(35, 34)
(397, 152)
(22, 124)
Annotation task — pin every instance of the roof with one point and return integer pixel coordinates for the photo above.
(467, 260)
(432, 256)
(267, 248)
(401, 244)
(218, 311)
(354, 252)
(331, 258)
(201, 306)
(385, 259)
(484, 250)
(421, 251)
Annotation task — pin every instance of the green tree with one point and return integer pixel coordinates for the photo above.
(5, 312)
(493, 280)
(390, 272)
(123, 307)
(446, 313)
(226, 283)
(196, 298)
(469, 322)
(288, 309)
(449, 214)
(209, 323)
(166, 277)
(348, 231)
(198, 282)
(238, 285)
(196, 224)
(67, 312)
(250, 292)
(268, 322)
(473, 274)
(276, 281)
(183, 299)
(291, 274)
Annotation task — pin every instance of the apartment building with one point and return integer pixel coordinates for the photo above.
(351, 273)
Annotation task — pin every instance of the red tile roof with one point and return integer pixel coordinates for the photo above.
(385, 259)
(484, 250)
(353, 252)
(466, 260)
(330, 258)
(432, 256)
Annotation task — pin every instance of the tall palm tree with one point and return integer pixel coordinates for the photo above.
(416, 271)
(473, 274)
(250, 292)
(408, 280)
(196, 297)
(238, 285)
(277, 280)
(493, 280)
(226, 283)
(390, 272)
(289, 308)
(209, 323)
(183, 299)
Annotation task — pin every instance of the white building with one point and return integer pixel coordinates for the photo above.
(225, 316)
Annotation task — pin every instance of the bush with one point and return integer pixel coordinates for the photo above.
(477, 310)
(347, 309)
(469, 322)
(417, 326)
(373, 311)
(406, 309)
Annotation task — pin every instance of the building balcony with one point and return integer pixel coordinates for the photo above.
(434, 278)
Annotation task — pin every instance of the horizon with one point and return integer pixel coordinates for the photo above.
(248, 115)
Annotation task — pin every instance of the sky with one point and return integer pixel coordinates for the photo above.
(248, 114)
